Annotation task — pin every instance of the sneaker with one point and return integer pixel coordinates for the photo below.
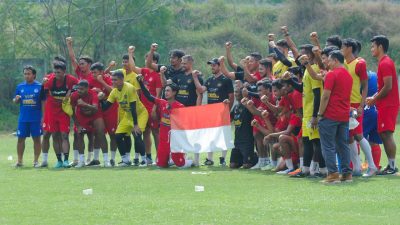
(149, 161)
(346, 177)
(295, 172)
(208, 162)
(107, 164)
(256, 167)
(387, 171)
(36, 165)
(66, 164)
(124, 164)
(136, 162)
(300, 174)
(357, 174)
(112, 162)
(332, 178)
(58, 165)
(94, 163)
(222, 161)
(18, 165)
(80, 165)
(44, 164)
(284, 172)
(268, 167)
(74, 163)
(370, 172)
(143, 163)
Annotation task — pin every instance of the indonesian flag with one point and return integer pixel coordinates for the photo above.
(205, 128)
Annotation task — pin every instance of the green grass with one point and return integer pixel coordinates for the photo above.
(153, 196)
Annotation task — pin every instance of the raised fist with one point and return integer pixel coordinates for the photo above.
(264, 114)
(250, 103)
(153, 47)
(69, 40)
(163, 69)
(254, 123)
(228, 45)
(244, 100)
(284, 30)
(264, 98)
(112, 64)
(139, 78)
(271, 37)
(131, 49)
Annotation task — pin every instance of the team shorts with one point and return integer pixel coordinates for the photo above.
(57, 123)
(27, 129)
(370, 127)
(110, 117)
(387, 117)
(125, 126)
(308, 131)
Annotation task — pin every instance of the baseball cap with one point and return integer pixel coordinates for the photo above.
(213, 61)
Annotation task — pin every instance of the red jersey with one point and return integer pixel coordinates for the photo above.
(257, 75)
(56, 91)
(295, 100)
(151, 81)
(91, 98)
(340, 83)
(96, 84)
(165, 122)
(386, 68)
(89, 77)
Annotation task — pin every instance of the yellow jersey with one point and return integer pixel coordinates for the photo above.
(308, 96)
(279, 68)
(356, 89)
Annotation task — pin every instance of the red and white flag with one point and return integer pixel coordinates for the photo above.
(205, 128)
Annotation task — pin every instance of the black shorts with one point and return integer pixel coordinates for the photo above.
(243, 155)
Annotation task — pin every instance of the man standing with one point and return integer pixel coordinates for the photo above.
(334, 119)
(57, 88)
(218, 89)
(386, 100)
(30, 96)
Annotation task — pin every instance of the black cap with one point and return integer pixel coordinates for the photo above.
(213, 61)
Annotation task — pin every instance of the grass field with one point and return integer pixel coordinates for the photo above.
(153, 196)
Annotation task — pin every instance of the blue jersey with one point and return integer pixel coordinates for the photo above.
(31, 99)
(372, 89)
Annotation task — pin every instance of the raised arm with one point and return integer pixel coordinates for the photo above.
(111, 65)
(232, 64)
(145, 92)
(199, 88)
(290, 42)
(149, 60)
(230, 75)
(71, 53)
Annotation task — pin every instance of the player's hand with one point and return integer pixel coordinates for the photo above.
(314, 36)
(314, 123)
(17, 98)
(221, 59)
(228, 45)
(98, 90)
(245, 92)
(153, 47)
(286, 75)
(131, 49)
(99, 78)
(272, 44)
(264, 99)
(238, 84)
(101, 95)
(163, 69)
(271, 37)
(250, 103)
(265, 114)
(69, 41)
(80, 102)
(139, 78)
(226, 101)
(195, 73)
(169, 81)
(136, 130)
(244, 100)
(360, 110)
(304, 59)
(246, 85)
(254, 123)
(112, 64)
(285, 30)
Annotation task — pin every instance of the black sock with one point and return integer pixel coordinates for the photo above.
(148, 156)
(318, 153)
(139, 145)
(128, 144)
(58, 155)
(66, 155)
(119, 138)
(308, 151)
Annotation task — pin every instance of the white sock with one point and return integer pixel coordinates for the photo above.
(223, 154)
(196, 159)
(136, 155)
(82, 158)
(274, 163)
(96, 154)
(188, 163)
(323, 170)
(366, 148)
(392, 163)
(45, 156)
(268, 160)
(355, 158)
(90, 156)
(312, 167)
(128, 156)
(306, 169)
(210, 156)
(316, 167)
(76, 155)
(289, 163)
(301, 162)
(143, 158)
(105, 157)
(113, 154)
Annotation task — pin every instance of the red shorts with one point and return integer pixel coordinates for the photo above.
(387, 117)
(110, 118)
(57, 123)
(359, 128)
(87, 122)
(261, 122)
(152, 123)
